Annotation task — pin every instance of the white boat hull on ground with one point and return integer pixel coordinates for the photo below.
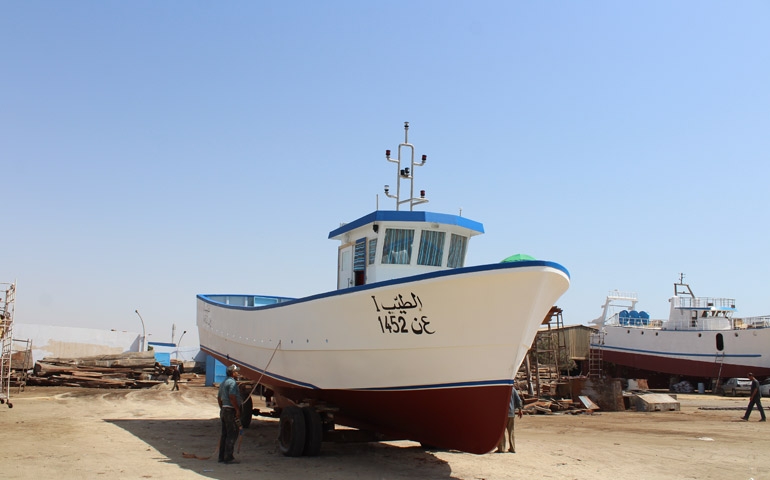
(689, 352)
(457, 330)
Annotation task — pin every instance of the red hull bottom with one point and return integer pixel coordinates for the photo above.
(470, 419)
(676, 366)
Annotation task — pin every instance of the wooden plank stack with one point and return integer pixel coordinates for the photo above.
(549, 406)
(123, 370)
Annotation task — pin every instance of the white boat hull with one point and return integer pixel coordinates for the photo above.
(689, 352)
(450, 332)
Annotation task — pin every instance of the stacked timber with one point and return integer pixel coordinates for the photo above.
(21, 364)
(123, 370)
(21, 360)
(550, 406)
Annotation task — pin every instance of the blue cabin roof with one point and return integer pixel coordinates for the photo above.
(408, 216)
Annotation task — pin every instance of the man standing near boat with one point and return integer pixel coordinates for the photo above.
(754, 399)
(230, 414)
(515, 404)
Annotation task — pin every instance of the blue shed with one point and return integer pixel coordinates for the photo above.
(216, 372)
(163, 358)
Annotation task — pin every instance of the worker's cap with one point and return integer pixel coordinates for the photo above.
(232, 368)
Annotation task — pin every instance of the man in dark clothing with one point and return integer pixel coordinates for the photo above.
(229, 399)
(514, 405)
(175, 376)
(755, 399)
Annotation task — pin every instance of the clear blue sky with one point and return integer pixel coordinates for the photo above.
(151, 151)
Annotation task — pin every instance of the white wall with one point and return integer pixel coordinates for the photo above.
(53, 341)
(183, 353)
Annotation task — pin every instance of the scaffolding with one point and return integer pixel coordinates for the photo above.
(7, 303)
(546, 358)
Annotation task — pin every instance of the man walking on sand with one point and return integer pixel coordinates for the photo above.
(175, 377)
(755, 399)
(230, 414)
(515, 404)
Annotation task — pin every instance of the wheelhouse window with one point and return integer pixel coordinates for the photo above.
(397, 247)
(457, 246)
(359, 255)
(431, 248)
(372, 250)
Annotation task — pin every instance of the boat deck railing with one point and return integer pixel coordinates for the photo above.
(753, 322)
(618, 295)
(634, 322)
(247, 300)
(709, 324)
(706, 303)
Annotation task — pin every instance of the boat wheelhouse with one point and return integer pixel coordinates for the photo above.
(411, 243)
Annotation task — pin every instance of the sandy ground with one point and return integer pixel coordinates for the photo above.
(81, 434)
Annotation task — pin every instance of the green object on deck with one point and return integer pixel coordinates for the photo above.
(519, 257)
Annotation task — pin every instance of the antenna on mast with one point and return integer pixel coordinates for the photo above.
(406, 173)
(682, 288)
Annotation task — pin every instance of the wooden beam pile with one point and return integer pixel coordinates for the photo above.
(123, 370)
(548, 406)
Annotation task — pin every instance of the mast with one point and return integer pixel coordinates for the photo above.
(406, 173)
(679, 288)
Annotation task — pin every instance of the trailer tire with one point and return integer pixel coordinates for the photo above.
(291, 437)
(247, 408)
(313, 432)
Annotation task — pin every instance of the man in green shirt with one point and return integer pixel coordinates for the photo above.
(230, 414)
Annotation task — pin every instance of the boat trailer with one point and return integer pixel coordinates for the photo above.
(304, 426)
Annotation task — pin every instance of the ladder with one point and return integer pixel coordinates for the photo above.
(595, 355)
(720, 359)
(7, 302)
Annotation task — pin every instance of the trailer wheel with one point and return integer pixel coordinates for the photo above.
(247, 408)
(313, 432)
(291, 439)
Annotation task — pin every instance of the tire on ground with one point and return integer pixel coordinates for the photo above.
(291, 437)
(313, 432)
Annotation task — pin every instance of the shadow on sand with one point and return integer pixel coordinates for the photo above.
(259, 453)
